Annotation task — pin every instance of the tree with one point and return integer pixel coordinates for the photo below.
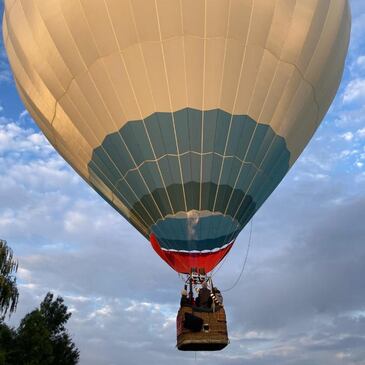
(8, 290)
(56, 316)
(33, 343)
(41, 337)
(7, 344)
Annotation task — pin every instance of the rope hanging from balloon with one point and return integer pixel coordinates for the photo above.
(244, 262)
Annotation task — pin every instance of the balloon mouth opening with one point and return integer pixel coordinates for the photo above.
(184, 261)
(195, 231)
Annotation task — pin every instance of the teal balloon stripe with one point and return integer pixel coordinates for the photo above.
(192, 160)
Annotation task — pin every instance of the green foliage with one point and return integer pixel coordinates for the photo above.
(41, 337)
(55, 313)
(8, 290)
(7, 344)
(33, 340)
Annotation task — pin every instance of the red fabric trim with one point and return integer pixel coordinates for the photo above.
(182, 262)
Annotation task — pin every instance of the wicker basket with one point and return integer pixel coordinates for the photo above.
(212, 337)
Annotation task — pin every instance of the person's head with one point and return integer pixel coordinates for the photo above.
(204, 284)
(184, 292)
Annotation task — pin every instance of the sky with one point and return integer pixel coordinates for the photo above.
(301, 299)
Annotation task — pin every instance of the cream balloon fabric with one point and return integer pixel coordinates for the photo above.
(183, 114)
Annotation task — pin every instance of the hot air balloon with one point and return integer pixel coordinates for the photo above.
(184, 115)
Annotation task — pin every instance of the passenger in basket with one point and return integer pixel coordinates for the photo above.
(184, 297)
(204, 299)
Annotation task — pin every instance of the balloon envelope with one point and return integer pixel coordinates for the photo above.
(183, 115)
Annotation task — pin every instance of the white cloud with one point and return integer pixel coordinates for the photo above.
(5, 74)
(78, 298)
(105, 311)
(348, 136)
(361, 133)
(344, 154)
(31, 286)
(16, 139)
(342, 355)
(360, 61)
(74, 220)
(24, 274)
(23, 114)
(252, 335)
(355, 90)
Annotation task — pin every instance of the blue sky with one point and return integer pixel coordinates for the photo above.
(302, 297)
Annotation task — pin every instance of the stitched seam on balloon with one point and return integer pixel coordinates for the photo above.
(252, 181)
(188, 152)
(229, 38)
(205, 38)
(87, 70)
(268, 177)
(138, 102)
(203, 104)
(120, 104)
(266, 49)
(172, 155)
(139, 45)
(111, 160)
(181, 16)
(298, 70)
(220, 95)
(100, 142)
(304, 79)
(114, 186)
(170, 104)
(249, 106)
(252, 138)
(234, 104)
(267, 152)
(137, 167)
(130, 208)
(263, 173)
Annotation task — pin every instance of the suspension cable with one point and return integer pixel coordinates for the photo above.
(244, 262)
